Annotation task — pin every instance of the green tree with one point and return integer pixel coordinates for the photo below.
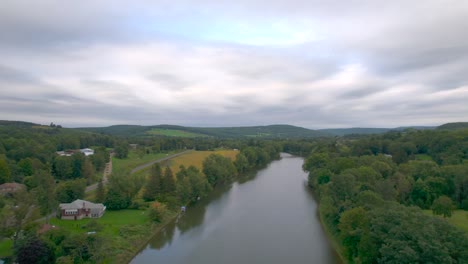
(218, 169)
(62, 167)
(46, 195)
(100, 192)
(241, 163)
(77, 160)
(68, 191)
(157, 211)
(121, 150)
(443, 206)
(5, 175)
(354, 228)
(121, 189)
(34, 250)
(153, 186)
(87, 171)
(168, 186)
(23, 211)
(25, 166)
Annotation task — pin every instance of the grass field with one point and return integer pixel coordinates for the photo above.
(111, 221)
(196, 158)
(423, 157)
(459, 218)
(6, 246)
(134, 160)
(173, 133)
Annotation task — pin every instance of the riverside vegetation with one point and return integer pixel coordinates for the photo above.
(372, 192)
(138, 204)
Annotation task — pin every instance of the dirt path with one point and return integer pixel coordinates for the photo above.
(107, 173)
(141, 167)
(108, 169)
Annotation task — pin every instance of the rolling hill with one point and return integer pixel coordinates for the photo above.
(453, 126)
(272, 131)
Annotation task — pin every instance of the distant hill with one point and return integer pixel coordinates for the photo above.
(453, 126)
(368, 131)
(17, 123)
(118, 130)
(272, 131)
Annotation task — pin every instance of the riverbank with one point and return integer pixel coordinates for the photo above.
(141, 240)
(335, 244)
(238, 223)
(331, 238)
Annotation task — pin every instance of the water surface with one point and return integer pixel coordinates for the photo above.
(270, 217)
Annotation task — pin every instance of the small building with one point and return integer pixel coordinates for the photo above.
(80, 209)
(66, 153)
(133, 146)
(11, 187)
(87, 151)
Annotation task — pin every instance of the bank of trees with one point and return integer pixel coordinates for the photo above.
(372, 190)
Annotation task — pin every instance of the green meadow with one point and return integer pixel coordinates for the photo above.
(173, 133)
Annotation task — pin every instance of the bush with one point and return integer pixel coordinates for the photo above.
(156, 211)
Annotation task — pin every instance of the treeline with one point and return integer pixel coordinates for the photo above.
(371, 192)
(188, 184)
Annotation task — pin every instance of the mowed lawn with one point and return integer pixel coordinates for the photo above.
(459, 218)
(6, 248)
(196, 158)
(174, 133)
(111, 221)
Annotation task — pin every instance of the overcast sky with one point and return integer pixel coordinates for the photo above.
(315, 64)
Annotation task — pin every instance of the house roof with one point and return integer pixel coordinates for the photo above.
(77, 204)
(11, 185)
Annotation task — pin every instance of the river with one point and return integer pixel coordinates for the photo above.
(270, 217)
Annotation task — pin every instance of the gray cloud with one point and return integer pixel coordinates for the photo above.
(354, 63)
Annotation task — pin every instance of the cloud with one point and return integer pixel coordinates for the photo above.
(220, 63)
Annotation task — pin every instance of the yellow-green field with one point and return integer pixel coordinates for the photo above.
(196, 158)
(459, 218)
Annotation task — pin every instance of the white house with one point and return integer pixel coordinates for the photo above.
(87, 151)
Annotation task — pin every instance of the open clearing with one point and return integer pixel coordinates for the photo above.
(111, 221)
(196, 158)
(134, 160)
(6, 248)
(459, 218)
(174, 133)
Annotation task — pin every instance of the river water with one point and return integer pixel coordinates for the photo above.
(270, 217)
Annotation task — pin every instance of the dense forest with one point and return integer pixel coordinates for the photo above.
(372, 191)
(376, 193)
(28, 155)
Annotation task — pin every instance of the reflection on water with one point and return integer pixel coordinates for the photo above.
(264, 217)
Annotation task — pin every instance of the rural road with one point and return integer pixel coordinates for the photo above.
(159, 160)
(108, 170)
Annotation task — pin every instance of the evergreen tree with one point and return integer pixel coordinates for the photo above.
(168, 182)
(46, 195)
(153, 187)
(4, 172)
(100, 192)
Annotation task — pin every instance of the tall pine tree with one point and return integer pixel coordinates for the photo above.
(168, 183)
(153, 187)
(100, 192)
